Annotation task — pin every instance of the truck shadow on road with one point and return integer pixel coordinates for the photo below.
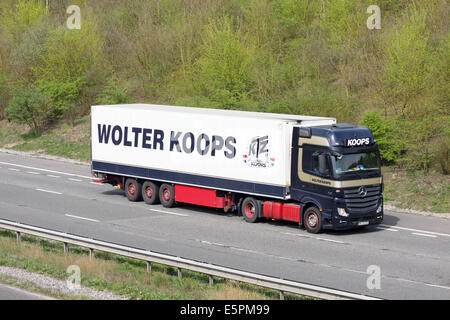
(292, 226)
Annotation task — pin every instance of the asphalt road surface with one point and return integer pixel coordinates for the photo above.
(411, 252)
(11, 293)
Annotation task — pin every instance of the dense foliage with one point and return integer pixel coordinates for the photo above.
(313, 57)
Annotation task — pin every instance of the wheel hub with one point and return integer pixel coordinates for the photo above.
(312, 220)
(250, 210)
(131, 189)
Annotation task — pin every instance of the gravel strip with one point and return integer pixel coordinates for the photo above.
(421, 213)
(58, 285)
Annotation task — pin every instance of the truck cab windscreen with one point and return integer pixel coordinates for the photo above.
(354, 162)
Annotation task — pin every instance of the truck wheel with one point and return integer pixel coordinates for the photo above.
(133, 190)
(312, 220)
(150, 192)
(250, 209)
(167, 195)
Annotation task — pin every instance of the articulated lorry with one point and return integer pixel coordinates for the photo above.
(309, 170)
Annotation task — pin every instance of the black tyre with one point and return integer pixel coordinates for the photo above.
(312, 220)
(167, 195)
(133, 190)
(150, 192)
(250, 209)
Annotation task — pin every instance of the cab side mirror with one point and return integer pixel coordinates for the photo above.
(323, 165)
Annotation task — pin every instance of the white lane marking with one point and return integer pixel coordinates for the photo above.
(48, 191)
(424, 235)
(82, 218)
(330, 240)
(388, 229)
(32, 172)
(76, 180)
(213, 243)
(52, 176)
(13, 169)
(312, 237)
(168, 212)
(45, 170)
(417, 230)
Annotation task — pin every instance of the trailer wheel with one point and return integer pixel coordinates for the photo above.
(250, 209)
(312, 220)
(150, 192)
(167, 195)
(133, 190)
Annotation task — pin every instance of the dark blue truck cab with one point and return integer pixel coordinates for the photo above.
(336, 175)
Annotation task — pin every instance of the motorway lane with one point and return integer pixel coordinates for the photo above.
(414, 263)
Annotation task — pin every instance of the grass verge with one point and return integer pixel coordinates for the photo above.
(120, 275)
(62, 140)
(416, 190)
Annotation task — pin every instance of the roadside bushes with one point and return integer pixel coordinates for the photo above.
(114, 93)
(386, 134)
(291, 56)
(30, 106)
(223, 71)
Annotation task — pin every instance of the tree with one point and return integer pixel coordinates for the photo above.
(30, 106)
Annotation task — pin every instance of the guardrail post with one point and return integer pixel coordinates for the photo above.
(180, 274)
(91, 253)
(149, 266)
(19, 238)
(281, 295)
(66, 247)
(211, 280)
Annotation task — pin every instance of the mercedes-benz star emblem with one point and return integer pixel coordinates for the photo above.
(362, 191)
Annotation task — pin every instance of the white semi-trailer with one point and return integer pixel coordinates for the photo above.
(298, 168)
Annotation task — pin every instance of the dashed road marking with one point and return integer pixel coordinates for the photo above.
(13, 169)
(168, 212)
(48, 191)
(82, 218)
(32, 172)
(424, 235)
(44, 170)
(76, 180)
(312, 237)
(420, 231)
(388, 229)
(52, 176)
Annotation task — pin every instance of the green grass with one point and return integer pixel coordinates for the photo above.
(61, 140)
(417, 190)
(120, 275)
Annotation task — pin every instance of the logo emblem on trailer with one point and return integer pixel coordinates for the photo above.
(362, 191)
(258, 153)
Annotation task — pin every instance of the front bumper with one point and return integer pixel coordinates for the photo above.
(354, 220)
(342, 223)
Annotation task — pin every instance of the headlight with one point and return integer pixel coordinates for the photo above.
(342, 212)
(380, 208)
